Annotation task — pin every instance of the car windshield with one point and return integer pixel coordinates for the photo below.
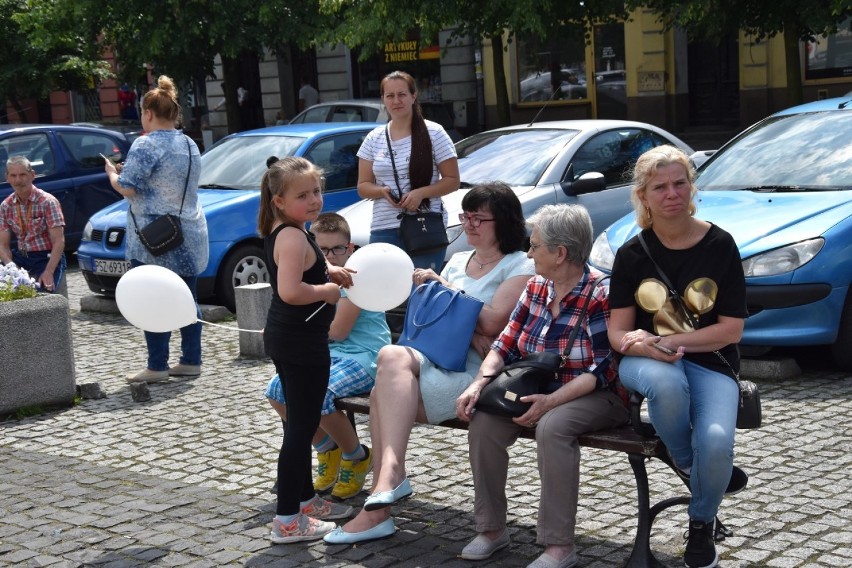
(516, 157)
(239, 162)
(802, 152)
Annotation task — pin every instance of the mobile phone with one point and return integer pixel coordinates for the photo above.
(664, 349)
(104, 157)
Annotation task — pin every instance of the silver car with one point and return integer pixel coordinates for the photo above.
(568, 161)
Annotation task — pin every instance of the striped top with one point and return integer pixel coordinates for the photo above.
(375, 149)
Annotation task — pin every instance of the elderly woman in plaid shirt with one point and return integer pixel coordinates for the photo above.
(588, 396)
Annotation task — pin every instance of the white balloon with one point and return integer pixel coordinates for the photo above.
(155, 299)
(383, 280)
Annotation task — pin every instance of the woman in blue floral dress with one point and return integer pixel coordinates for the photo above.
(160, 167)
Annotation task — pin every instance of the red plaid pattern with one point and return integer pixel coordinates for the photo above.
(39, 215)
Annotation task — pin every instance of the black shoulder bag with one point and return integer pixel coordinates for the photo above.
(423, 231)
(165, 232)
(530, 375)
(749, 414)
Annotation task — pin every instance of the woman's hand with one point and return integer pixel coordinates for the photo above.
(411, 201)
(466, 401)
(422, 275)
(652, 346)
(109, 167)
(389, 196)
(341, 275)
(541, 404)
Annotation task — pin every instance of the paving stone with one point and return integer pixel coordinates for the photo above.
(182, 479)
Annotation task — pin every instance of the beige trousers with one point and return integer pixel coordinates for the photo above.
(556, 435)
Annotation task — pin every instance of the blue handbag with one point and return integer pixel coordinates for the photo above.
(440, 322)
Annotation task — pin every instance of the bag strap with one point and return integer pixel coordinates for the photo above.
(423, 204)
(185, 185)
(576, 329)
(693, 321)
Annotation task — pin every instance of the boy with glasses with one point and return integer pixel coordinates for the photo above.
(356, 336)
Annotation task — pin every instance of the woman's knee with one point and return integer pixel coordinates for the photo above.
(395, 362)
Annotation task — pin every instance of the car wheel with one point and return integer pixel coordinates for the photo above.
(246, 264)
(841, 350)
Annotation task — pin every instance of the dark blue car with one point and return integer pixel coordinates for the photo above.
(68, 165)
(229, 191)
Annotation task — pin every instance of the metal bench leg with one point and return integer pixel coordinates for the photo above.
(641, 557)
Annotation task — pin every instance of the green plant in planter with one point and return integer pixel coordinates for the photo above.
(15, 283)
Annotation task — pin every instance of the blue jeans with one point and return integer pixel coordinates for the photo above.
(434, 260)
(35, 263)
(694, 410)
(190, 336)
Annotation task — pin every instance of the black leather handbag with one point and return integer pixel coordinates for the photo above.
(164, 233)
(749, 413)
(423, 231)
(530, 375)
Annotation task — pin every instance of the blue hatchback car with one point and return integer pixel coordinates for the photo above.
(783, 189)
(68, 165)
(229, 191)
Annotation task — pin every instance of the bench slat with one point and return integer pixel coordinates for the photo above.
(622, 439)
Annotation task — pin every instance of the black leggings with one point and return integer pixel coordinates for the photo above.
(305, 384)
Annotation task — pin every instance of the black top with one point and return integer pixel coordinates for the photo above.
(708, 276)
(290, 318)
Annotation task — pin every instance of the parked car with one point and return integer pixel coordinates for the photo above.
(68, 165)
(568, 161)
(132, 129)
(229, 191)
(783, 189)
(372, 110)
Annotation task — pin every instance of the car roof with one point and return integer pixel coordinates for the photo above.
(581, 124)
(57, 127)
(837, 103)
(376, 103)
(308, 129)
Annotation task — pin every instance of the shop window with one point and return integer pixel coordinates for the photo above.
(553, 69)
(830, 56)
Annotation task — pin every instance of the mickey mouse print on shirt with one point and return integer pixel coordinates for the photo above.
(653, 297)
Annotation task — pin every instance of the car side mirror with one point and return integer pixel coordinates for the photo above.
(589, 182)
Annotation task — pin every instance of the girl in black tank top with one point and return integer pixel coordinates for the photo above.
(296, 332)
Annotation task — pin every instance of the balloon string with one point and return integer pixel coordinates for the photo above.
(231, 327)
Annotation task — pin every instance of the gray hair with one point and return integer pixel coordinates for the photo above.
(19, 161)
(566, 225)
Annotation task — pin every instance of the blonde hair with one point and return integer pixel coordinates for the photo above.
(646, 167)
(162, 100)
(276, 181)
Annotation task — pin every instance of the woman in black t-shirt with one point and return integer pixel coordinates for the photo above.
(679, 351)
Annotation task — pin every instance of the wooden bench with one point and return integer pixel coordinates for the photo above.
(638, 442)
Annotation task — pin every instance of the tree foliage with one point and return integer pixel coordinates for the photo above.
(41, 53)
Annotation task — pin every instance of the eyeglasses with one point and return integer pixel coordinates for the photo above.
(533, 247)
(336, 251)
(472, 219)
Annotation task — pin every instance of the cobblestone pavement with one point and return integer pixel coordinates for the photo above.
(183, 479)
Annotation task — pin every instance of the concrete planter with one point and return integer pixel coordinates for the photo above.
(36, 353)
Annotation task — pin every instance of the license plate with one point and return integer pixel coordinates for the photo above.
(111, 267)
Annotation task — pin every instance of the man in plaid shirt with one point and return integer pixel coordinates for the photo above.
(35, 217)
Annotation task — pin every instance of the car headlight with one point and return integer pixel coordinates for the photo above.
(784, 259)
(602, 256)
(87, 232)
